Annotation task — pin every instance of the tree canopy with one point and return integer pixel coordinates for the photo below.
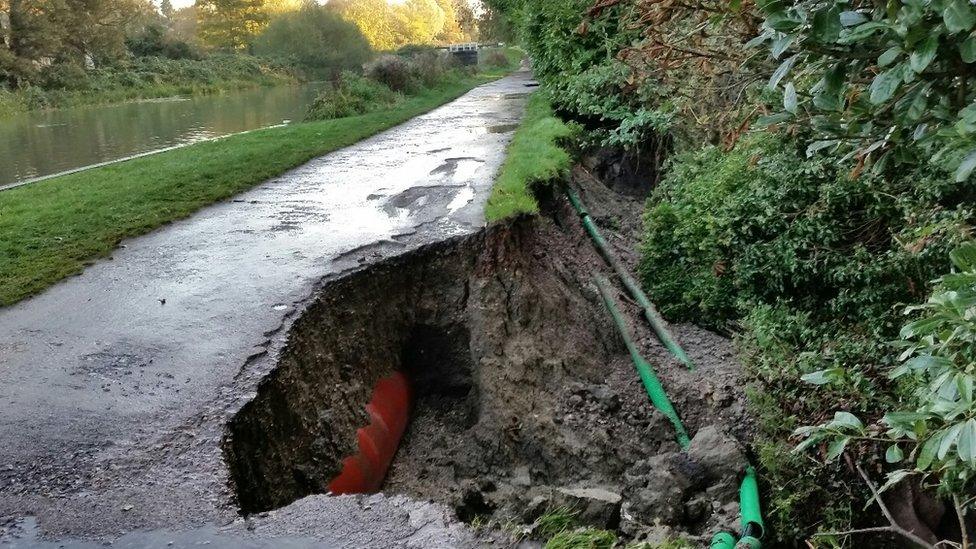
(63, 37)
(316, 38)
(389, 26)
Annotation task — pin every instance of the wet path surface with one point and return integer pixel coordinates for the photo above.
(115, 385)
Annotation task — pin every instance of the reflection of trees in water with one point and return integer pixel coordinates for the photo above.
(48, 142)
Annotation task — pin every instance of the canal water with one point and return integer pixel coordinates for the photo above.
(47, 142)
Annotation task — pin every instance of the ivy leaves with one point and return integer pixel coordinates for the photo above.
(889, 84)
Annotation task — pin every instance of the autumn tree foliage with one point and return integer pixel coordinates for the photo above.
(37, 33)
(231, 24)
(389, 26)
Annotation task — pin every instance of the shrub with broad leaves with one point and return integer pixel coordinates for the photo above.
(877, 83)
(934, 435)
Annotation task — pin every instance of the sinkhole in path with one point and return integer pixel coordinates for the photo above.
(333, 423)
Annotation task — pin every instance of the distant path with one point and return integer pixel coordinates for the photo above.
(115, 384)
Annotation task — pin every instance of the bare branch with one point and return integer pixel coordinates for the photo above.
(894, 527)
(961, 515)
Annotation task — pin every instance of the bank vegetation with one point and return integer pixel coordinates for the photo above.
(62, 53)
(816, 202)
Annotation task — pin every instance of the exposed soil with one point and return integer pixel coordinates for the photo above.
(525, 397)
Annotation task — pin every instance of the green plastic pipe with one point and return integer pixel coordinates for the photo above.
(657, 322)
(659, 398)
(750, 516)
(723, 540)
(749, 511)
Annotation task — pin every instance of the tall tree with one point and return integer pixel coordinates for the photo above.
(4, 23)
(186, 24)
(95, 29)
(450, 32)
(373, 17)
(166, 8)
(36, 28)
(466, 18)
(231, 24)
(418, 21)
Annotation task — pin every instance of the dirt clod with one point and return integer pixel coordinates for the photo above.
(593, 506)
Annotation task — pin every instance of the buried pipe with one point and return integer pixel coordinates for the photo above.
(750, 512)
(656, 392)
(657, 322)
(750, 516)
(377, 443)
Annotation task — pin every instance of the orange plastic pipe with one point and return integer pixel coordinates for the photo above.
(377, 443)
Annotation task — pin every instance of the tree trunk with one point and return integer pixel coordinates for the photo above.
(17, 21)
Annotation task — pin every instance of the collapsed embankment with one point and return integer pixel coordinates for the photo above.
(524, 397)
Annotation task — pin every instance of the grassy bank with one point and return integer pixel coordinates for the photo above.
(52, 229)
(533, 157)
(145, 78)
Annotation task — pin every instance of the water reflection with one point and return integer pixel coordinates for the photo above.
(43, 143)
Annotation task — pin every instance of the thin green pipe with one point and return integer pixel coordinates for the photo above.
(753, 527)
(659, 398)
(750, 516)
(723, 540)
(657, 322)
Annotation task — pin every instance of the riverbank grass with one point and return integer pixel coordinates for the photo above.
(534, 156)
(53, 229)
(148, 78)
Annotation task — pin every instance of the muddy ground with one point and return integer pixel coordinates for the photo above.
(526, 398)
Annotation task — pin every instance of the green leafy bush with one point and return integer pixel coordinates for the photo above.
(431, 67)
(631, 71)
(761, 224)
(64, 76)
(496, 59)
(351, 95)
(933, 434)
(393, 71)
(317, 39)
(408, 74)
(878, 83)
(810, 267)
(154, 40)
(577, 59)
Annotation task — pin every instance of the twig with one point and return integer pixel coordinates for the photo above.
(894, 527)
(961, 515)
(871, 530)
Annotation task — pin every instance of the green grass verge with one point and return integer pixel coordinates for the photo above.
(534, 156)
(52, 229)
